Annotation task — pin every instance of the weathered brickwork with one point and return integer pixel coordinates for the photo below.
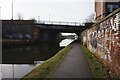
(103, 39)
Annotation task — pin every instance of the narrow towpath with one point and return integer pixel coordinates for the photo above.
(74, 65)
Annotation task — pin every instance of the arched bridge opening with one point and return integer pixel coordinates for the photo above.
(52, 32)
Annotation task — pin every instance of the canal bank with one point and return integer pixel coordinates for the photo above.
(74, 61)
(20, 60)
(6, 43)
(45, 69)
(71, 63)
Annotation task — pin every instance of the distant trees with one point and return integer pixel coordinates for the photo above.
(90, 19)
(20, 16)
(33, 19)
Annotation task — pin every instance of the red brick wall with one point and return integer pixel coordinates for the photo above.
(98, 7)
(103, 39)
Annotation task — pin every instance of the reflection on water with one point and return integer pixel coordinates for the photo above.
(66, 42)
(29, 54)
(16, 71)
(18, 61)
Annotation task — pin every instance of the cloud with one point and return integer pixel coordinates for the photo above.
(55, 0)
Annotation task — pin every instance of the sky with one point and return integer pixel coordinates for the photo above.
(53, 10)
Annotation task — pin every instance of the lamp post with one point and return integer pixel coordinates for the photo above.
(49, 17)
(13, 70)
(12, 9)
(0, 13)
(38, 19)
(1, 72)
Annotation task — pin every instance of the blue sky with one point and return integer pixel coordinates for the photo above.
(55, 10)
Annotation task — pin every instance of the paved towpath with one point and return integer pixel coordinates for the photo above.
(74, 65)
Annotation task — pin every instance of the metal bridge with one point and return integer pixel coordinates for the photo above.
(60, 26)
(59, 23)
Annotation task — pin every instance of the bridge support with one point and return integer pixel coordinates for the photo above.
(79, 39)
(49, 36)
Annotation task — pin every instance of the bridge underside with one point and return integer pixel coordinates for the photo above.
(51, 33)
(28, 29)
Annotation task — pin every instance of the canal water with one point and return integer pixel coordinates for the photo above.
(18, 61)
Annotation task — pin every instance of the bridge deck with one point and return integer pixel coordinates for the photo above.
(60, 23)
(61, 27)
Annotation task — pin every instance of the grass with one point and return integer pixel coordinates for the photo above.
(96, 65)
(48, 67)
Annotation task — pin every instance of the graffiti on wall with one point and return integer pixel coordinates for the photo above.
(105, 39)
(93, 40)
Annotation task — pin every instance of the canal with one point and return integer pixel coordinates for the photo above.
(18, 61)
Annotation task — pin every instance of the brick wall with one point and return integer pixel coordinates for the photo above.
(103, 39)
(98, 7)
(105, 7)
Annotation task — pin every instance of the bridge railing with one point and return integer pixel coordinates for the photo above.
(60, 23)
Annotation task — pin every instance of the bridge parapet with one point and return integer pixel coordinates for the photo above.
(61, 26)
(60, 23)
